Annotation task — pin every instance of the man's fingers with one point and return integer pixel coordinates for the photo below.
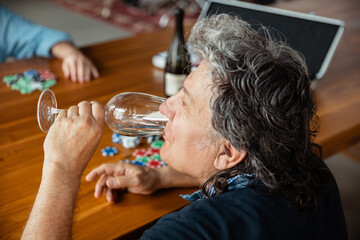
(73, 111)
(62, 114)
(109, 194)
(100, 185)
(98, 111)
(119, 182)
(91, 176)
(108, 169)
(84, 108)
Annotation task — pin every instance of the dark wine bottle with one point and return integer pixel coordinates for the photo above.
(177, 65)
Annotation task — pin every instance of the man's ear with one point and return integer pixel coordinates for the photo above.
(228, 156)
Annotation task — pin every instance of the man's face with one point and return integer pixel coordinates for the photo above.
(190, 142)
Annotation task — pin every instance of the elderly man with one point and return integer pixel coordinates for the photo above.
(239, 128)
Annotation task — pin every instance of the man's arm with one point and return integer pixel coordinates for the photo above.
(136, 179)
(52, 213)
(68, 147)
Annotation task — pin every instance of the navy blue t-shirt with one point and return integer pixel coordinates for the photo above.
(252, 213)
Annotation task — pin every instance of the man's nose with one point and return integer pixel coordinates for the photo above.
(168, 108)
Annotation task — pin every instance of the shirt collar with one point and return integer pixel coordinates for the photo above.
(236, 182)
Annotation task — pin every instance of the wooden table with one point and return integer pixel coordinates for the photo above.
(125, 65)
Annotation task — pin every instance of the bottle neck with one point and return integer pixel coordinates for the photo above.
(179, 28)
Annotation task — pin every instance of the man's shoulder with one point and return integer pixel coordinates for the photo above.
(231, 215)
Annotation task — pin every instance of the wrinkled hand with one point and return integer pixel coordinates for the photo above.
(79, 68)
(73, 138)
(114, 176)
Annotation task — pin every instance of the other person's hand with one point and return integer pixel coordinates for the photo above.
(75, 65)
(114, 176)
(73, 138)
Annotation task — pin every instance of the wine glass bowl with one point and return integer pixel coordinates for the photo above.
(135, 114)
(45, 110)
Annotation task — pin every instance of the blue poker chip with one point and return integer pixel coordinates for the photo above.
(130, 142)
(31, 74)
(116, 138)
(109, 151)
(140, 163)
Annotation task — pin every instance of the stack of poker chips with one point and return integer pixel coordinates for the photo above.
(149, 157)
(31, 80)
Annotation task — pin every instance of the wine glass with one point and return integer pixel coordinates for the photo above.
(128, 113)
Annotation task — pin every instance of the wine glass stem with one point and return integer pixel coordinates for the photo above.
(56, 110)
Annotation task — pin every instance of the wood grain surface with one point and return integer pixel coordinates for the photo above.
(125, 65)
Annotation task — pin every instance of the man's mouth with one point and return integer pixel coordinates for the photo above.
(165, 135)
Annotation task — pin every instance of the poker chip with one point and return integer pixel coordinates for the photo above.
(140, 153)
(31, 74)
(109, 151)
(130, 142)
(157, 144)
(36, 85)
(149, 157)
(49, 83)
(143, 159)
(30, 80)
(139, 163)
(23, 85)
(46, 74)
(152, 151)
(10, 79)
(153, 138)
(155, 157)
(154, 164)
(116, 138)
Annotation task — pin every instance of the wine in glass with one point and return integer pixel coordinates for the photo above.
(128, 113)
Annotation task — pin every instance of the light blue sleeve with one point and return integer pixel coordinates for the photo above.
(21, 38)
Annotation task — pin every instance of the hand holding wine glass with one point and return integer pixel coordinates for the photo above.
(73, 139)
(129, 113)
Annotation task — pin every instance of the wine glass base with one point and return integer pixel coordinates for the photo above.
(45, 117)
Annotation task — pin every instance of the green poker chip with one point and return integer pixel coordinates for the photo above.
(9, 79)
(156, 157)
(49, 83)
(157, 144)
(143, 159)
(23, 85)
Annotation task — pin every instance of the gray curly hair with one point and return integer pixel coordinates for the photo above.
(264, 105)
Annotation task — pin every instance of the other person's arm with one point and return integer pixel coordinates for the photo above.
(75, 65)
(21, 38)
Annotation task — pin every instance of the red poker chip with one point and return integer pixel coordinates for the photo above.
(139, 153)
(152, 151)
(46, 74)
(154, 164)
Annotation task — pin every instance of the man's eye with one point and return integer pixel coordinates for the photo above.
(183, 102)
